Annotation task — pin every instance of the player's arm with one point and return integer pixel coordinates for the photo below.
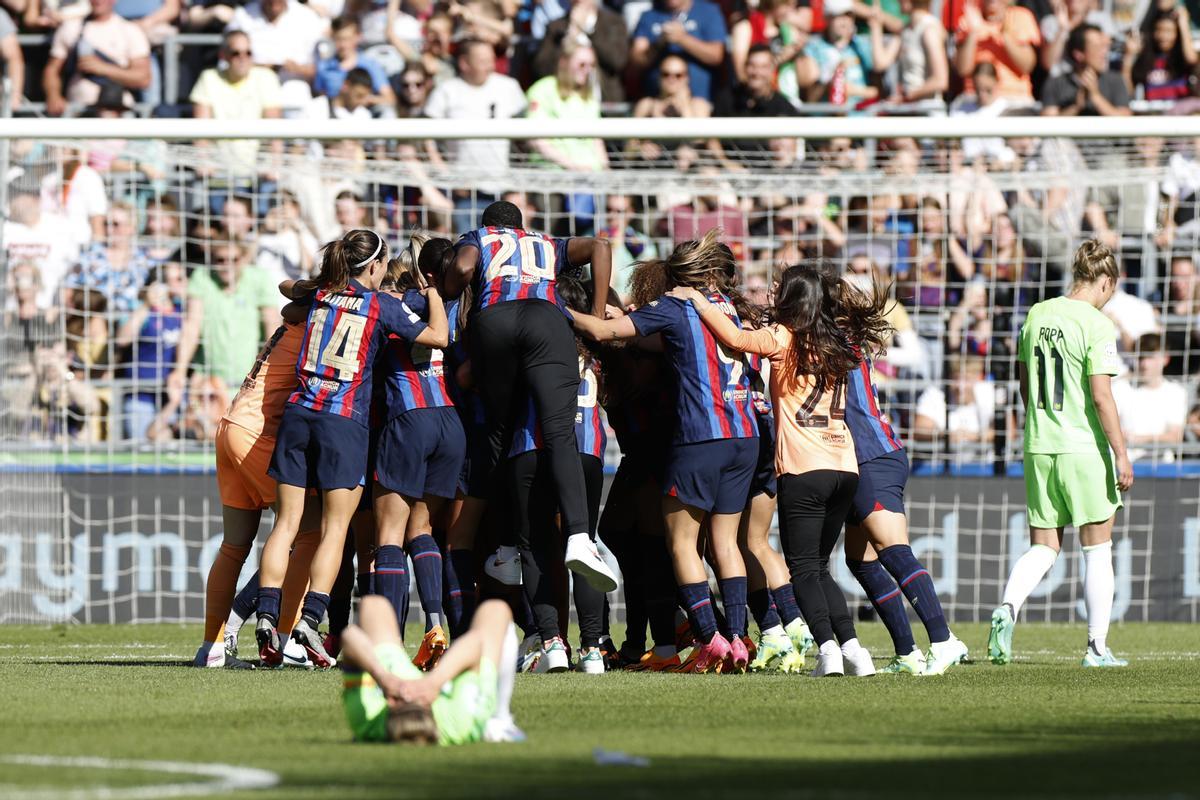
(1106, 410)
(603, 330)
(597, 252)
(437, 334)
(463, 656)
(1023, 377)
(295, 313)
(358, 651)
(459, 276)
(761, 341)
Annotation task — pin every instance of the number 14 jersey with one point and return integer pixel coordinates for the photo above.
(515, 264)
(345, 329)
(1063, 343)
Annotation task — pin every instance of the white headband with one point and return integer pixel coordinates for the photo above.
(378, 247)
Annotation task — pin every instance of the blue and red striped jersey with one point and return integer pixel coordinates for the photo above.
(415, 372)
(590, 437)
(873, 436)
(714, 399)
(758, 384)
(344, 332)
(515, 264)
(467, 401)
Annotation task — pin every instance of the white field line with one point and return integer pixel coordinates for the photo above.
(224, 778)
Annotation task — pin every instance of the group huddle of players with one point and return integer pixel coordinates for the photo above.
(445, 406)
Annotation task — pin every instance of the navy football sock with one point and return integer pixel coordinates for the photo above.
(365, 582)
(315, 606)
(884, 595)
(391, 579)
(698, 603)
(917, 586)
(785, 603)
(460, 588)
(733, 597)
(246, 601)
(268, 603)
(427, 564)
(763, 609)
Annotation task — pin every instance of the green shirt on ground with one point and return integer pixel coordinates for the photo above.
(1063, 343)
(232, 328)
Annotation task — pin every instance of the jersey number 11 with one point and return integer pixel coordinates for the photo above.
(1043, 380)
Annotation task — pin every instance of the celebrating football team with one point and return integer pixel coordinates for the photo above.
(444, 407)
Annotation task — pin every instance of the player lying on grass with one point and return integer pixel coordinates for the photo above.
(464, 699)
(1068, 355)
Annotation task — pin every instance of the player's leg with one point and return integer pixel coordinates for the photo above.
(273, 568)
(550, 363)
(855, 657)
(589, 601)
(1098, 588)
(392, 510)
(683, 533)
(427, 564)
(1048, 514)
(501, 727)
(240, 528)
(661, 588)
(342, 596)
(541, 562)
(460, 542)
(887, 600)
(801, 518)
(617, 528)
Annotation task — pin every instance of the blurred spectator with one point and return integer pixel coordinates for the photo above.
(1090, 89)
(691, 29)
(415, 86)
(843, 58)
(941, 265)
(1160, 58)
(286, 245)
(231, 308)
(84, 399)
(784, 28)
(1133, 316)
(674, 99)
(34, 236)
(102, 50)
(985, 102)
(113, 266)
(479, 93)
(76, 191)
(12, 61)
(435, 49)
(354, 99)
(695, 217)
(924, 71)
(629, 245)
(1182, 189)
(1005, 35)
(162, 230)
(484, 21)
(156, 18)
(1064, 17)
(1153, 409)
(1049, 219)
(571, 93)
(964, 415)
(906, 351)
(238, 91)
(588, 22)
(152, 332)
(544, 13)
(969, 330)
(283, 35)
(754, 97)
(27, 319)
(1128, 209)
(331, 72)
(1183, 294)
(400, 24)
(145, 156)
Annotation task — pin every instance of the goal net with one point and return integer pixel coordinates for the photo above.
(120, 256)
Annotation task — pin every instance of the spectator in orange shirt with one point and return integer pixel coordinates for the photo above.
(1005, 35)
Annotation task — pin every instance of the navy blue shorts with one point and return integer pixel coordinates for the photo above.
(881, 484)
(421, 452)
(319, 450)
(712, 476)
(764, 472)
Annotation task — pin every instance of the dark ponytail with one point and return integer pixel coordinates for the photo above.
(346, 258)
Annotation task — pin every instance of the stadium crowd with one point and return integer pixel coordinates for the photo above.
(140, 292)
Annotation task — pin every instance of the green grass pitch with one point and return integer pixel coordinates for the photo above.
(1041, 727)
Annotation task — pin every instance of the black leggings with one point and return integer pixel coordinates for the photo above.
(544, 558)
(812, 511)
(528, 344)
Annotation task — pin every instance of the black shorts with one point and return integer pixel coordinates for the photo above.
(881, 484)
(712, 476)
(764, 481)
(319, 450)
(421, 453)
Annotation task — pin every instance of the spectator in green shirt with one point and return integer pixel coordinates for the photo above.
(231, 309)
(571, 93)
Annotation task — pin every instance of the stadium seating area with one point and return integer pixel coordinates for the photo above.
(139, 275)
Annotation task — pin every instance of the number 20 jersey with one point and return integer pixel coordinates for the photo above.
(714, 399)
(344, 331)
(515, 264)
(1063, 343)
